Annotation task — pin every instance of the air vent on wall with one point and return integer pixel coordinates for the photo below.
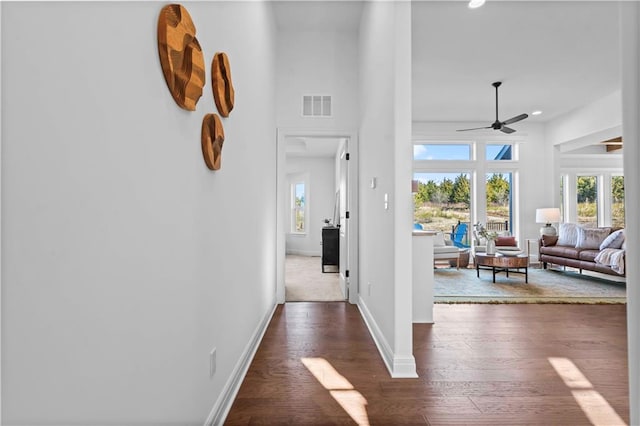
(316, 106)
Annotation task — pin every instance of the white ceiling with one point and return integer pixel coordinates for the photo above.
(311, 15)
(311, 147)
(551, 56)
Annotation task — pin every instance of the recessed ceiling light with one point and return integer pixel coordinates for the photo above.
(536, 113)
(473, 4)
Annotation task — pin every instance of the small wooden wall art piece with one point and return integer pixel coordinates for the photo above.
(212, 140)
(223, 92)
(180, 56)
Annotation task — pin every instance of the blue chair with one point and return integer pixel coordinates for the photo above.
(459, 234)
(417, 227)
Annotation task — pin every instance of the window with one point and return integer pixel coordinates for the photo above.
(298, 202)
(499, 152)
(593, 198)
(499, 212)
(442, 152)
(587, 198)
(466, 181)
(442, 200)
(617, 201)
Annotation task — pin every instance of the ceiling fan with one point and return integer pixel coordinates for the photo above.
(500, 125)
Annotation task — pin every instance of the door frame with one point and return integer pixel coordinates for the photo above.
(282, 134)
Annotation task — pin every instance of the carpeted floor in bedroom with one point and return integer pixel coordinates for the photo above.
(305, 281)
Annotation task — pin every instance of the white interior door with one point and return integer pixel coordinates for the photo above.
(344, 217)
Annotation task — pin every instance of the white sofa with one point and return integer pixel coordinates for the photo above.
(445, 250)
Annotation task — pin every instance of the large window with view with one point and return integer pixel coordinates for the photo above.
(592, 199)
(442, 200)
(464, 182)
(499, 201)
(587, 199)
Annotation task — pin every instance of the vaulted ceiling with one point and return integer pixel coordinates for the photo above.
(551, 56)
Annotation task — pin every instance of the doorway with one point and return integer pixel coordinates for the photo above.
(316, 216)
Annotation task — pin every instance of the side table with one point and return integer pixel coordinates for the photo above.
(533, 243)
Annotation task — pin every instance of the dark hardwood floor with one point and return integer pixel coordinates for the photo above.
(478, 365)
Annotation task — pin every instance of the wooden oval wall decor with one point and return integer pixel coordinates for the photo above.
(180, 56)
(212, 140)
(223, 92)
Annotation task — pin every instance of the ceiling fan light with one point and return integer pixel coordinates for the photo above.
(473, 4)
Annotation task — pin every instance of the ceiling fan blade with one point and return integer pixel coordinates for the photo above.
(506, 129)
(475, 128)
(515, 119)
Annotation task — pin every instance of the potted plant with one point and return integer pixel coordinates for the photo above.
(490, 236)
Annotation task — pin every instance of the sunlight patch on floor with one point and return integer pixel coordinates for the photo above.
(595, 407)
(351, 401)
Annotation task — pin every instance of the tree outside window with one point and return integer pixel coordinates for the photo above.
(587, 197)
(498, 189)
(617, 201)
(442, 200)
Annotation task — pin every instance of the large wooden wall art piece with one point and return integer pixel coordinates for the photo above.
(180, 56)
(223, 92)
(212, 140)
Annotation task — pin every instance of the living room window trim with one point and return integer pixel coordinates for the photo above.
(478, 167)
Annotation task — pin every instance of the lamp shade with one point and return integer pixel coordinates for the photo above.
(548, 215)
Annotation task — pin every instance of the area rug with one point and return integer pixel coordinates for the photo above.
(305, 282)
(545, 286)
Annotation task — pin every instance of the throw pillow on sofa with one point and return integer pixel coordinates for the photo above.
(568, 234)
(549, 240)
(614, 240)
(591, 238)
(506, 241)
(438, 240)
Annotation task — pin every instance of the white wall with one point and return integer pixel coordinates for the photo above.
(595, 122)
(320, 199)
(124, 258)
(385, 147)
(573, 135)
(317, 63)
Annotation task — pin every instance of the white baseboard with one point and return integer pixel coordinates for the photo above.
(309, 253)
(398, 367)
(222, 406)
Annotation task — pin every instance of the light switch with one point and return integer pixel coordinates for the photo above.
(386, 201)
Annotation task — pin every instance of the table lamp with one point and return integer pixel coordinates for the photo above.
(548, 216)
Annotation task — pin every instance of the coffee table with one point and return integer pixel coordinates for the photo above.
(501, 263)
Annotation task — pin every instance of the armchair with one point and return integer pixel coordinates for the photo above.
(503, 242)
(445, 250)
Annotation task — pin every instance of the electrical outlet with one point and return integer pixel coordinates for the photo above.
(212, 363)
